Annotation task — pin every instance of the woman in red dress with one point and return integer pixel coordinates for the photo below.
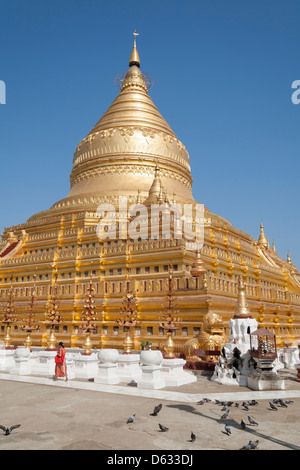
(60, 362)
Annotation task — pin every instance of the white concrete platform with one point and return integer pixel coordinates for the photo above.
(158, 394)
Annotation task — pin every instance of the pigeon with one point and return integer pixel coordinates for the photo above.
(282, 403)
(163, 428)
(246, 447)
(156, 410)
(254, 444)
(131, 418)
(220, 402)
(275, 400)
(243, 425)
(229, 403)
(227, 429)
(225, 415)
(201, 402)
(133, 383)
(193, 437)
(204, 400)
(7, 431)
(225, 408)
(237, 404)
(251, 421)
(273, 407)
(252, 402)
(246, 407)
(289, 401)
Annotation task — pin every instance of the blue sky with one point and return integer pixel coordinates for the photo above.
(222, 71)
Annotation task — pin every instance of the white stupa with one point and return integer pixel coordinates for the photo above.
(241, 325)
(234, 366)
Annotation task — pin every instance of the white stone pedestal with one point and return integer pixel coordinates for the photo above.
(173, 373)
(264, 377)
(6, 359)
(265, 381)
(45, 364)
(86, 366)
(107, 373)
(151, 377)
(129, 367)
(22, 364)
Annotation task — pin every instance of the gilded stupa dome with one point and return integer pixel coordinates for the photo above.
(119, 155)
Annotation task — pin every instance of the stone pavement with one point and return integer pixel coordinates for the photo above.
(83, 415)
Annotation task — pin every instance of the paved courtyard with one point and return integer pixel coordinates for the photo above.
(81, 415)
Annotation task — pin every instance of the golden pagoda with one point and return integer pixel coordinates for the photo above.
(132, 153)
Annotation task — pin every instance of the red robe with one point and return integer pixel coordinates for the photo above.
(60, 363)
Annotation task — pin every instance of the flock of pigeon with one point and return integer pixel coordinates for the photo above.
(226, 406)
(245, 406)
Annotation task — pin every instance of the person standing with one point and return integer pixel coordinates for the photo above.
(60, 362)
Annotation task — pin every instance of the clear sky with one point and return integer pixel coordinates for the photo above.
(222, 70)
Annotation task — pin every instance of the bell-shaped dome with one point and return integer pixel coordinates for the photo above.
(121, 152)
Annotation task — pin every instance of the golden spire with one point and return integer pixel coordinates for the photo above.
(134, 77)
(242, 309)
(156, 192)
(263, 241)
(134, 58)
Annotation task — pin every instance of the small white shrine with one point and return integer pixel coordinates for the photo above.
(234, 365)
(246, 363)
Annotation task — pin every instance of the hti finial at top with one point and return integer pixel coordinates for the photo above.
(134, 58)
(135, 34)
